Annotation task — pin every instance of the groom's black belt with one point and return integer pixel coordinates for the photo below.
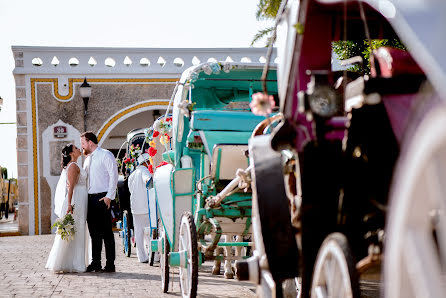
(102, 194)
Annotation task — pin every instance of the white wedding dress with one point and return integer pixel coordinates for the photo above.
(73, 255)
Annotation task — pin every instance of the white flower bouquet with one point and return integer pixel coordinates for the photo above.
(65, 227)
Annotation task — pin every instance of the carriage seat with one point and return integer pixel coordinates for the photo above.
(226, 159)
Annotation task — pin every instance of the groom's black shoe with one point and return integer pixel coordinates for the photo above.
(109, 268)
(94, 268)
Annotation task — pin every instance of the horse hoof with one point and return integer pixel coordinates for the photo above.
(215, 270)
(229, 275)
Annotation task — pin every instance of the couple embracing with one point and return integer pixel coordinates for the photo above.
(85, 192)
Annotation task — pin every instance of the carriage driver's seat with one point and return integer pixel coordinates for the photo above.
(226, 159)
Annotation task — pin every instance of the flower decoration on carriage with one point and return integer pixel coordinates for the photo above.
(207, 69)
(152, 151)
(65, 227)
(227, 67)
(216, 67)
(164, 139)
(210, 68)
(262, 104)
(163, 126)
(135, 151)
(148, 132)
(129, 162)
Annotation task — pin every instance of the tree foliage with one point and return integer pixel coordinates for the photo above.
(266, 10)
(348, 49)
(4, 173)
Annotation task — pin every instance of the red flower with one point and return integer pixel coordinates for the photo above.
(169, 119)
(162, 164)
(168, 137)
(127, 160)
(156, 133)
(132, 160)
(150, 167)
(152, 151)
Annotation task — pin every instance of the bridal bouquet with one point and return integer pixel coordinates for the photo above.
(65, 227)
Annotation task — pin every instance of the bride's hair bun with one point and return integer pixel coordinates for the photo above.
(66, 158)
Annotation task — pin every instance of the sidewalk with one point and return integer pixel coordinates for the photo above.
(23, 274)
(9, 227)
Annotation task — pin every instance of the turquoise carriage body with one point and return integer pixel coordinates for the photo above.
(211, 126)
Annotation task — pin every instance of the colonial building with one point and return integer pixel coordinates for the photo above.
(129, 87)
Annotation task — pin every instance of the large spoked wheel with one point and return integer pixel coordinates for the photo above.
(164, 261)
(335, 272)
(126, 234)
(188, 243)
(415, 251)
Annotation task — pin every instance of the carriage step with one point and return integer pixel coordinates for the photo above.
(248, 270)
(235, 243)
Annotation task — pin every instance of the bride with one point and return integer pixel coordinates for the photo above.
(71, 197)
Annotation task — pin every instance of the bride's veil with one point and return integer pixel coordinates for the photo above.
(60, 197)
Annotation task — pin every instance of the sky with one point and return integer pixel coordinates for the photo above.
(113, 23)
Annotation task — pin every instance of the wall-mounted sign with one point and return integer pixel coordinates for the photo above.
(60, 132)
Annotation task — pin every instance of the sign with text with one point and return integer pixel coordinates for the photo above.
(60, 132)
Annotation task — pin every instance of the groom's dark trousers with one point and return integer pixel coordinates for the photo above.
(100, 227)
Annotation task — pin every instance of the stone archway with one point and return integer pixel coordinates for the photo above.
(113, 132)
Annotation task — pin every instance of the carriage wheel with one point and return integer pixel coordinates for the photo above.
(164, 262)
(334, 272)
(126, 235)
(188, 242)
(415, 250)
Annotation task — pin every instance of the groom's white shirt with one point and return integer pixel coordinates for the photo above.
(102, 172)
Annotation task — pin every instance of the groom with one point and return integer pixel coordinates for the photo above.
(102, 172)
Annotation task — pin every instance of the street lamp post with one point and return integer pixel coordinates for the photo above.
(85, 92)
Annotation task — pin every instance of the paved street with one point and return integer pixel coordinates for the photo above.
(22, 274)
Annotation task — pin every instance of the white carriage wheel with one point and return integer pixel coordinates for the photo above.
(334, 272)
(164, 262)
(188, 242)
(415, 248)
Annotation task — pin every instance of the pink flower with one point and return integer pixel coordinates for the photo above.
(262, 104)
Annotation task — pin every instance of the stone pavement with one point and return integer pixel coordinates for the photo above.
(23, 274)
(9, 227)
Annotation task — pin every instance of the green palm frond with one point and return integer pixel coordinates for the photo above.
(267, 9)
(264, 33)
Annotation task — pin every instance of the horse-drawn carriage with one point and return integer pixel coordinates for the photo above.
(202, 191)
(357, 163)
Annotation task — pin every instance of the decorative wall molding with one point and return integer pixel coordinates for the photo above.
(122, 61)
